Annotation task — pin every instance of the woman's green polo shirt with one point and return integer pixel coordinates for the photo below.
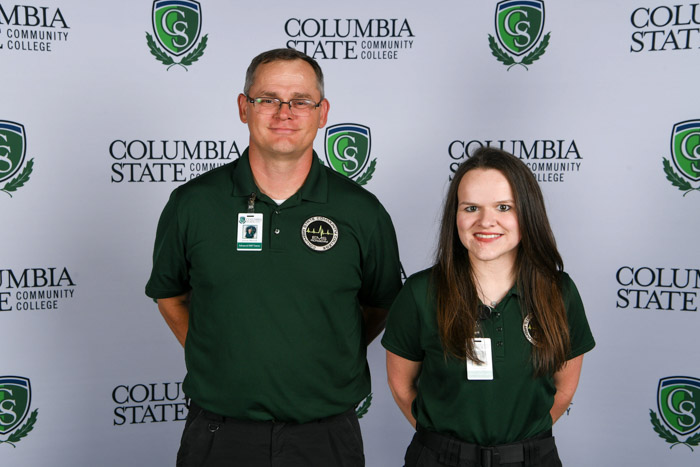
(514, 405)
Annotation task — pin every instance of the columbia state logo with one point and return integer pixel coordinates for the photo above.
(519, 26)
(685, 154)
(177, 25)
(14, 172)
(348, 147)
(678, 402)
(15, 402)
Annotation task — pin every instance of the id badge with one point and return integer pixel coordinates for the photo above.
(481, 371)
(250, 231)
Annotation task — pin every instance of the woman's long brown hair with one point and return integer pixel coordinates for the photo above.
(538, 267)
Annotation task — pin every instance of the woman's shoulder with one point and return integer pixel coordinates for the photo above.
(566, 282)
(421, 278)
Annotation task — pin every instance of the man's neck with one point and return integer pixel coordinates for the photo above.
(279, 177)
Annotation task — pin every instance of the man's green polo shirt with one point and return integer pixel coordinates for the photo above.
(514, 405)
(278, 333)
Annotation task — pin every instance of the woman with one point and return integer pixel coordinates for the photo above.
(495, 329)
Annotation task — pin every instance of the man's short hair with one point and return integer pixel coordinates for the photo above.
(277, 55)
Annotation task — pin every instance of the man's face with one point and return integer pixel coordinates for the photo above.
(283, 133)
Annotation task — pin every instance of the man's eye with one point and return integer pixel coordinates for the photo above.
(266, 101)
(301, 104)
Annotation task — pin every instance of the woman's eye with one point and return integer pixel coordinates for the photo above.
(470, 209)
(503, 207)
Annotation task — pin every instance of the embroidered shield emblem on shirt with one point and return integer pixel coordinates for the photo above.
(319, 233)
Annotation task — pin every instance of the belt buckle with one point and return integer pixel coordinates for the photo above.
(489, 457)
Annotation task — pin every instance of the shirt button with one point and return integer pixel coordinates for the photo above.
(499, 329)
(277, 212)
(497, 314)
(277, 231)
(499, 344)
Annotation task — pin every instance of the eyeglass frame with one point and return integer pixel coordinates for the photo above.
(251, 100)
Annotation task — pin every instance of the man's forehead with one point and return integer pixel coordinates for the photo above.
(274, 93)
(285, 73)
(285, 67)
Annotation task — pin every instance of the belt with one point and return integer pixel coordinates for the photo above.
(194, 407)
(454, 452)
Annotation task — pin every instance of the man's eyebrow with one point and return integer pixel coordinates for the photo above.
(302, 95)
(296, 95)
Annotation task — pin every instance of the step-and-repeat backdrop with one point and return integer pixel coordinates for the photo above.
(107, 107)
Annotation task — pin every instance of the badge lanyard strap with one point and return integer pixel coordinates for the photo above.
(251, 203)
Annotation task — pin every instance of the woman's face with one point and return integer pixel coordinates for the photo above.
(486, 219)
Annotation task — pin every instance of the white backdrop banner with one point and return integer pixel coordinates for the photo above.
(104, 111)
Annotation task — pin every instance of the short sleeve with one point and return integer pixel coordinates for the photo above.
(381, 269)
(403, 329)
(170, 275)
(579, 331)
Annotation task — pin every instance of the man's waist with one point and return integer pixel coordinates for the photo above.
(264, 421)
(252, 396)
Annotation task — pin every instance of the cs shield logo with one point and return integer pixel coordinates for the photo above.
(678, 401)
(15, 400)
(347, 151)
(13, 149)
(519, 25)
(685, 153)
(176, 25)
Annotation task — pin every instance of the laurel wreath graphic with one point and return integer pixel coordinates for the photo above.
(23, 431)
(20, 180)
(364, 407)
(367, 176)
(678, 181)
(166, 59)
(669, 437)
(503, 57)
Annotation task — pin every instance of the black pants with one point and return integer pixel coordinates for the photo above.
(446, 451)
(210, 440)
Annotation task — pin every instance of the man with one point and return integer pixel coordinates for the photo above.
(275, 328)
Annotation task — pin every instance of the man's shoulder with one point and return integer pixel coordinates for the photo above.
(340, 185)
(217, 179)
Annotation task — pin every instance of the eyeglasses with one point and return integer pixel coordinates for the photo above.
(271, 105)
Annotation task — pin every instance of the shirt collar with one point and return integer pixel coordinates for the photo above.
(315, 187)
(513, 292)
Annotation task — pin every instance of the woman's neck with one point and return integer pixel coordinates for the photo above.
(493, 281)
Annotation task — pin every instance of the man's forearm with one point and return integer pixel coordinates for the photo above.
(375, 321)
(176, 312)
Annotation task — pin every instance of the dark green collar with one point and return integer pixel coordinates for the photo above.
(315, 187)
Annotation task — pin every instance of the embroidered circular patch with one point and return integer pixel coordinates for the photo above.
(527, 328)
(319, 233)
